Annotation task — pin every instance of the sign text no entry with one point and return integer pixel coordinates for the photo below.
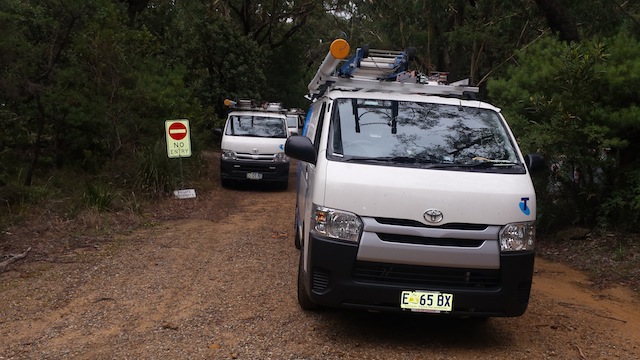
(178, 138)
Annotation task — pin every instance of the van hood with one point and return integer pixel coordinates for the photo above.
(253, 145)
(408, 193)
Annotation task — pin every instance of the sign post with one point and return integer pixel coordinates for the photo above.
(178, 146)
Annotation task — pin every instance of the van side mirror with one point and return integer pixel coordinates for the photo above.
(300, 147)
(217, 132)
(534, 162)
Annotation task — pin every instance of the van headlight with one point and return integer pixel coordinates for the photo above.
(335, 224)
(280, 158)
(229, 155)
(518, 237)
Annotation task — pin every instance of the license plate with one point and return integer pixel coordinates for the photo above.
(254, 176)
(426, 301)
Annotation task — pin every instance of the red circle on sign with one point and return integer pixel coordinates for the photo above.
(177, 131)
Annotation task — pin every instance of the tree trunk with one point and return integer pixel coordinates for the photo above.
(559, 21)
(37, 146)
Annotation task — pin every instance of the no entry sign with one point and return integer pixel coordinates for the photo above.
(178, 138)
(177, 131)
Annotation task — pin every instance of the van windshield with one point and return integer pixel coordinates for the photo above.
(256, 126)
(419, 134)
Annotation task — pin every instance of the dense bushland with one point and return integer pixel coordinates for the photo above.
(86, 85)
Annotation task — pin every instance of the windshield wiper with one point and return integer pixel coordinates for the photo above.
(391, 159)
(493, 163)
(399, 159)
(480, 165)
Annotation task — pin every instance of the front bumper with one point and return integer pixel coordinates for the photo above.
(238, 170)
(337, 279)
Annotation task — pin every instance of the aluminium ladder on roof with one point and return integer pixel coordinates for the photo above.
(376, 64)
(379, 70)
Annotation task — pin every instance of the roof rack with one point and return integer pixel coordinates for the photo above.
(245, 104)
(380, 70)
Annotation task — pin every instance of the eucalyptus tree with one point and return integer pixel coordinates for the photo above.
(271, 23)
(39, 36)
(465, 38)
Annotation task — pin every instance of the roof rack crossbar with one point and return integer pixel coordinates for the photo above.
(247, 104)
(352, 84)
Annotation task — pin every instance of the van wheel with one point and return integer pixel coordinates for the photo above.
(284, 185)
(303, 297)
(226, 182)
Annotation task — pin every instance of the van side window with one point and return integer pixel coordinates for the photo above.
(316, 139)
(309, 126)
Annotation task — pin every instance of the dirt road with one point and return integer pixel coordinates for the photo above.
(215, 278)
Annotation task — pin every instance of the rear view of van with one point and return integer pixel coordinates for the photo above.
(412, 198)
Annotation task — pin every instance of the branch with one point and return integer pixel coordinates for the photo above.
(484, 78)
(582, 357)
(13, 258)
(621, 7)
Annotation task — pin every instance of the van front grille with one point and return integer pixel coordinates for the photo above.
(419, 240)
(413, 223)
(412, 275)
(258, 157)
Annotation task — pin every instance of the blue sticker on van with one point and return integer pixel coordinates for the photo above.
(306, 121)
(281, 146)
(524, 207)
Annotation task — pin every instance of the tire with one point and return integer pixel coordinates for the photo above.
(303, 297)
(297, 241)
(226, 183)
(299, 229)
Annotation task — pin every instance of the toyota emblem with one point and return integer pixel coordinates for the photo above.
(433, 216)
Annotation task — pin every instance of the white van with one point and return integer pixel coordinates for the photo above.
(411, 198)
(253, 144)
(294, 121)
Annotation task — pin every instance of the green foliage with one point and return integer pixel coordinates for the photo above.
(219, 61)
(12, 194)
(575, 105)
(85, 85)
(156, 174)
(454, 36)
(98, 196)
